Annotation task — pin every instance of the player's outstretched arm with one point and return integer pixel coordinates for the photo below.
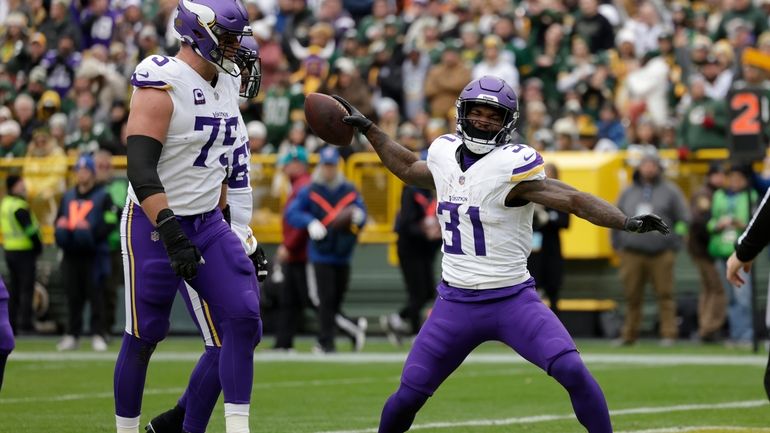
(397, 158)
(560, 196)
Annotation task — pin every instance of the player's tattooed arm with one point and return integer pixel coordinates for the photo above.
(400, 160)
(560, 196)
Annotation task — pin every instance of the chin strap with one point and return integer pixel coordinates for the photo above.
(485, 148)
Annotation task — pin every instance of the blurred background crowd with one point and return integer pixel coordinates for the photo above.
(591, 75)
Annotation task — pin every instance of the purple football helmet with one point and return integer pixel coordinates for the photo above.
(251, 67)
(213, 28)
(492, 92)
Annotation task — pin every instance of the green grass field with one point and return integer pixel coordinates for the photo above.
(649, 389)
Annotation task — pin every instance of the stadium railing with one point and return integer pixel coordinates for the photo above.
(604, 175)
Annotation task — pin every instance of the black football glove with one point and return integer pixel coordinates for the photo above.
(184, 256)
(260, 262)
(355, 119)
(646, 223)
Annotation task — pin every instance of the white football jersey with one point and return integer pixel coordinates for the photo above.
(486, 243)
(239, 190)
(204, 128)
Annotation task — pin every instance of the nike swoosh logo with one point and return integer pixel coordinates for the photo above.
(527, 158)
(143, 75)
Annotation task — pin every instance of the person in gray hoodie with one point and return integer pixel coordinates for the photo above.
(650, 256)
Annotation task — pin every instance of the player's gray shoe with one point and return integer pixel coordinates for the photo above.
(359, 340)
(395, 328)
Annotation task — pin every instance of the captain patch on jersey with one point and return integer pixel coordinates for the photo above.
(204, 129)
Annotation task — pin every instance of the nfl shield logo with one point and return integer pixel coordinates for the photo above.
(461, 180)
(200, 99)
(154, 236)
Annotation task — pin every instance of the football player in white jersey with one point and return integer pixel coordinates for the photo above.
(191, 414)
(486, 186)
(183, 124)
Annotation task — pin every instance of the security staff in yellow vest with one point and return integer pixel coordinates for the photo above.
(22, 245)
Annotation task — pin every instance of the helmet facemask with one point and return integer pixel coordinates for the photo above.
(251, 72)
(225, 55)
(481, 136)
(492, 92)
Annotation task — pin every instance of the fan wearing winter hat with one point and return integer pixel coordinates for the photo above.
(85, 219)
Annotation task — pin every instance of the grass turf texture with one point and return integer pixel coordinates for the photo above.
(303, 395)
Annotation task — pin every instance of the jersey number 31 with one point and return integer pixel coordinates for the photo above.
(452, 227)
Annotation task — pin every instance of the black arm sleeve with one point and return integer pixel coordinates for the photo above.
(143, 156)
(757, 234)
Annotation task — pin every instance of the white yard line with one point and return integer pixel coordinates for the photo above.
(546, 418)
(84, 396)
(700, 429)
(162, 391)
(260, 385)
(390, 358)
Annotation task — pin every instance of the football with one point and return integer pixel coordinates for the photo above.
(324, 115)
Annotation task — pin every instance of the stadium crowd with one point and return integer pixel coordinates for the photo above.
(590, 75)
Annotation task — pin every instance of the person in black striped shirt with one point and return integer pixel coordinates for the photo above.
(747, 247)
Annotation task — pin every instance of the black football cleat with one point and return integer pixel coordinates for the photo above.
(169, 421)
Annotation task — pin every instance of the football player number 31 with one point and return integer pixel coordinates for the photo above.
(453, 245)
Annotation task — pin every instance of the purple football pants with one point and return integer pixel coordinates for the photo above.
(226, 308)
(202, 392)
(522, 322)
(7, 343)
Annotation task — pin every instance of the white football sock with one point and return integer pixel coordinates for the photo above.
(127, 425)
(236, 418)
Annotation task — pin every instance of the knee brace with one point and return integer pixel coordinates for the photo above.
(144, 350)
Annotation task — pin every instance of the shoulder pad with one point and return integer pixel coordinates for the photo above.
(521, 162)
(444, 142)
(155, 72)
